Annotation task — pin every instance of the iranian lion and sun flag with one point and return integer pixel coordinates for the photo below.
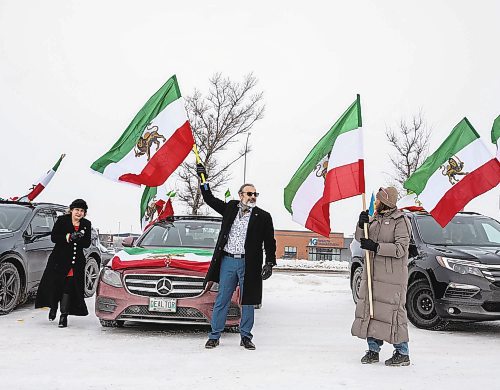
(461, 169)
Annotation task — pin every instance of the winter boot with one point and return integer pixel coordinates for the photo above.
(52, 313)
(398, 359)
(63, 319)
(370, 357)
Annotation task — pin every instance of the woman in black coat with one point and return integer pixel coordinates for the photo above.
(64, 277)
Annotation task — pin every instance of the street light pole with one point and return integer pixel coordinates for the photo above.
(245, 166)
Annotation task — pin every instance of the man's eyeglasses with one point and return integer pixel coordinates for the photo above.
(249, 193)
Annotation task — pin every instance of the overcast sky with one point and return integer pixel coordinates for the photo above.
(74, 73)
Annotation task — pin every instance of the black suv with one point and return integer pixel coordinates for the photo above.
(453, 272)
(25, 246)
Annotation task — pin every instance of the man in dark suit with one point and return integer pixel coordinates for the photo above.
(238, 258)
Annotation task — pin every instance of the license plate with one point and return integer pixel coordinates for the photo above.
(163, 304)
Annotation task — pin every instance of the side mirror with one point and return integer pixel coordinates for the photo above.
(41, 231)
(128, 242)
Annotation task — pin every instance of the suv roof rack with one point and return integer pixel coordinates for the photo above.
(29, 204)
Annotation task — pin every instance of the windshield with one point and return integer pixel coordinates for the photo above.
(464, 230)
(12, 217)
(191, 234)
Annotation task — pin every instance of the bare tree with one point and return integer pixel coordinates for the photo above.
(219, 119)
(411, 144)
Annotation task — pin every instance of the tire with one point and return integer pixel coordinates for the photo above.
(232, 329)
(91, 276)
(420, 306)
(356, 283)
(112, 324)
(10, 287)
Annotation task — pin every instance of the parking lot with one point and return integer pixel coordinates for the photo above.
(303, 340)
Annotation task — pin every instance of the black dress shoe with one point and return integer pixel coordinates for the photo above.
(63, 321)
(247, 343)
(52, 314)
(211, 343)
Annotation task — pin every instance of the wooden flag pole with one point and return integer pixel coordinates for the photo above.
(367, 263)
(198, 161)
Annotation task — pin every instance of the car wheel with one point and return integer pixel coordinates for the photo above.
(10, 287)
(356, 283)
(91, 275)
(112, 323)
(420, 306)
(233, 329)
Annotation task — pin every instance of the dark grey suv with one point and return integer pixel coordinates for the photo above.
(25, 246)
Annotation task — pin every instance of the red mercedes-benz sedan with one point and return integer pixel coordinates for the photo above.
(160, 277)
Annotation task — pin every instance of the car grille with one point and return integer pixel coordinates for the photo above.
(183, 314)
(180, 286)
(491, 306)
(492, 273)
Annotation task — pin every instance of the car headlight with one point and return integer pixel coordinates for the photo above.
(460, 266)
(215, 287)
(112, 278)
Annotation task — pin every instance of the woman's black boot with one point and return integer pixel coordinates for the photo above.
(52, 314)
(63, 319)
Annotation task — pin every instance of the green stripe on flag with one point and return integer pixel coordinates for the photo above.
(147, 195)
(168, 93)
(461, 136)
(55, 167)
(350, 120)
(495, 131)
(169, 251)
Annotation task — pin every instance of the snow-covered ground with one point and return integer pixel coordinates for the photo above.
(303, 341)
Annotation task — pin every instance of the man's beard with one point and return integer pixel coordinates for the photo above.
(250, 204)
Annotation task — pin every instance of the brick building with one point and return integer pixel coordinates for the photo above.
(292, 244)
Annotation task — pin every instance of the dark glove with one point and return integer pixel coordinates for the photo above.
(200, 169)
(368, 243)
(363, 218)
(76, 236)
(267, 271)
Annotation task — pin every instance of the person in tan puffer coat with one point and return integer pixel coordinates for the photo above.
(389, 234)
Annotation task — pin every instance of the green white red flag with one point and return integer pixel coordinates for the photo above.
(154, 144)
(333, 170)
(156, 205)
(461, 169)
(194, 259)
(41, 183)
(495, 135)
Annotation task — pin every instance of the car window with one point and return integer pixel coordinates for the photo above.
(492, 233)
(43, 219)
(12, 217)
(461, 230)
(182, 234)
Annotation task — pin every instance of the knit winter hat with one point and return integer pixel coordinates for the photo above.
(78, 204)
(388, 196)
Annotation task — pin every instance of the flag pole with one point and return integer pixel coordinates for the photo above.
(198, 161)
(367, 262)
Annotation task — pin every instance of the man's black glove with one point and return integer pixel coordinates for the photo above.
(368, 243)
(363, 218)
(76, 236)
(200, 169)
(267, 271)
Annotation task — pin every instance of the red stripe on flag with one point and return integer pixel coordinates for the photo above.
(344, 182)
(319, 218)
(36, 191)
(166, 160)
(474, 184)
